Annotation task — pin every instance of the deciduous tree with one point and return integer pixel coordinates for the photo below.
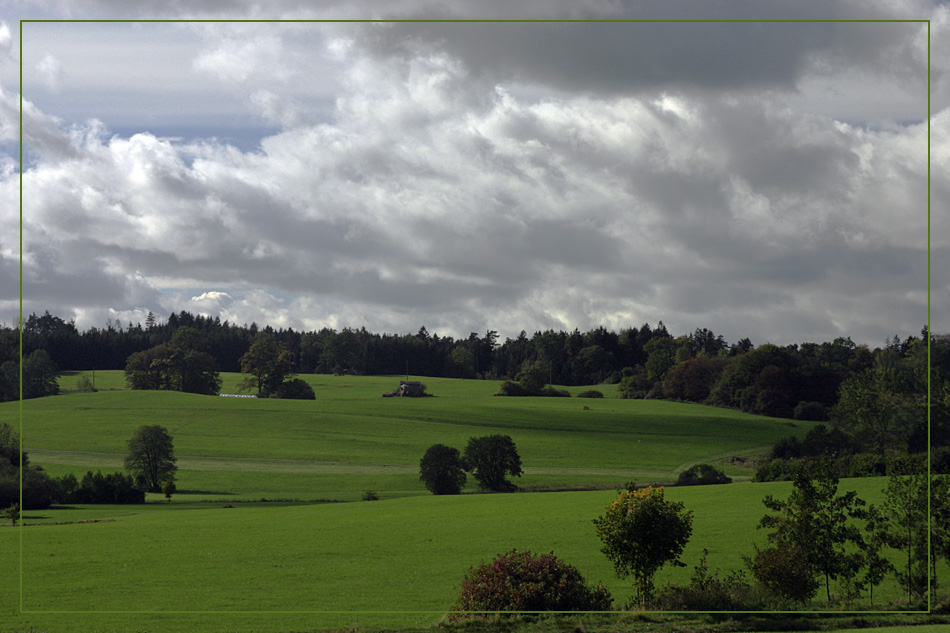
(266, 364)
(442, 471)
(816, 521)
(152, 456)
(490, 459)
(641, 531)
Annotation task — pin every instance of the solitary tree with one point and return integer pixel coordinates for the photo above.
(151, 457)
(169, 489)
(490, 458)
(441, 470)
(641, 532)
(266, 364)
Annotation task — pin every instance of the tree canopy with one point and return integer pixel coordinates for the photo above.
(151, 457)
(490, 459)
(442, 471)
(179, 365)
(641, 531)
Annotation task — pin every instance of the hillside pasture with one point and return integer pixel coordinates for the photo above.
(350, 439)
(396, 562)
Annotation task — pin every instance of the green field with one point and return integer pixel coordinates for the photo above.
(396, 562)
(350, 439)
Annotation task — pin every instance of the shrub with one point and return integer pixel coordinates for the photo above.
(812, 411)
(702, 475)
(84, 385)
(591, 393)
(522, 581)
(784, 571)
(786, 448)
(295, 389)
(710, 592)
(511, 388)
(370, 495)
(12, 513)
(442, 470)
(552, 392)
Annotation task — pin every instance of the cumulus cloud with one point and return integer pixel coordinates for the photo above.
(526, 176)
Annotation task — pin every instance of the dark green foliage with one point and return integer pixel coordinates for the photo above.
(39, 377)
(12, 513)
(786, 448)
(532, 378)
(940, 460)
(811, 411)
(702, 475)
(693, 380)
(169, 489)
(634, 383)
(590, 393)
(512, 388)
(553, 392)
(820, 441)
(267, 363)
(880, 407)
(785, 571)
(179, 365)
(490, 459)
(709, 592)
(442, 470)
(815, 523)
(906, 530)
(765, 380)
(522, 581)
(294, 389)
(939, 523)
(370, 495)
(39, 491)
(113, 488)
(151, 456)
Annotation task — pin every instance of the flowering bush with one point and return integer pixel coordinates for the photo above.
(522, 581)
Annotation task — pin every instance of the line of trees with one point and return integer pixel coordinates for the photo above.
(792, 381)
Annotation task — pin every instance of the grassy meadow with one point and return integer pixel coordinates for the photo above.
(315, 557)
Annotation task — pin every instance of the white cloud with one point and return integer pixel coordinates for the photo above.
(50, 71)
(240, 59)
(277, 111)
(441, 192)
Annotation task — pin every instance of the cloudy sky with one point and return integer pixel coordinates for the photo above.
(759, 179)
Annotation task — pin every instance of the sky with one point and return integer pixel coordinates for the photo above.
(762, 180)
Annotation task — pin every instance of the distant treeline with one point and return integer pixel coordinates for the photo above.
(787, 381)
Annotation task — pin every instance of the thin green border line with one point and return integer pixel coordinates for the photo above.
(930, 587)
(20, 325)
(482, 21)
